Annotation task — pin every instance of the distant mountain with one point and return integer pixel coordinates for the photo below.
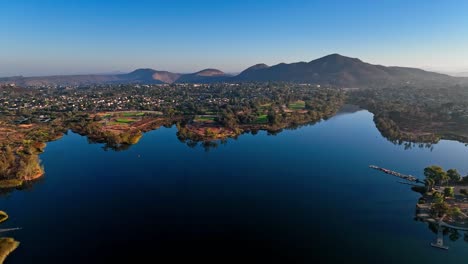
(335, 70)
(204, 76)
(139, 76)
(340, 71)
(251, 72)
(149, 76)
(166, 77)
(64, 80)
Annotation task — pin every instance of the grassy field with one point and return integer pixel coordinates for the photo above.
(129, 114)
(204, 118)
(262, 119)
(298, 105)
(125, 120)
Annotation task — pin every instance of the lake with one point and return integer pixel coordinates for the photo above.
(299, 196)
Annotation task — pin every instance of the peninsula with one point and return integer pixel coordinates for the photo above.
(119, 115)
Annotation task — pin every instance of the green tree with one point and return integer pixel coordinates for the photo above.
(429, 182)
(455, 212)
(440, 209)
(438, 197)
(228, 119)
(436, 173)
(454, 175)
(273, 118)
(448, 192)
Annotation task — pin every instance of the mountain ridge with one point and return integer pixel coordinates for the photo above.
(332, 70)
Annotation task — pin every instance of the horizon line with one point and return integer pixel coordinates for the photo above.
(438, 69)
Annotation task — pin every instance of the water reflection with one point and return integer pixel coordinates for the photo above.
(175, 185)
(441, 231)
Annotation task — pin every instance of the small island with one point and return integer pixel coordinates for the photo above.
(443, 203)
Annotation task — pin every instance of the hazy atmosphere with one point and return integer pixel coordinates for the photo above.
(69, 37)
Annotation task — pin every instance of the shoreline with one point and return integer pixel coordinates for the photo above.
(34, 177)
(119, 130)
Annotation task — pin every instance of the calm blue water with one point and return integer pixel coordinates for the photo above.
(300, 196)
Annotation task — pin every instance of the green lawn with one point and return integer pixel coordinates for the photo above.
(298, 105)
(124, 120)
(262, 119)
(129, 114)
(204, 118)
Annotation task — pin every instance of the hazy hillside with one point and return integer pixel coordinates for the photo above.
(204, 76)
(334, 69)
(341, 71)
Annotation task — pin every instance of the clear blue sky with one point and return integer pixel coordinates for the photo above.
(61, 37)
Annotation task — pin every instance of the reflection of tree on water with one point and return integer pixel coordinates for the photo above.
(436, 224)
(452, 233)
(116, 147)
(208, 144)
(408, 145)
(109, 145)
(25, 186)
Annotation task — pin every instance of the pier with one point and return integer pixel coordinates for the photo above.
(397, 174)
(9, 229)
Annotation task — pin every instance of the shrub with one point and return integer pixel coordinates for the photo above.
(448, 192)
